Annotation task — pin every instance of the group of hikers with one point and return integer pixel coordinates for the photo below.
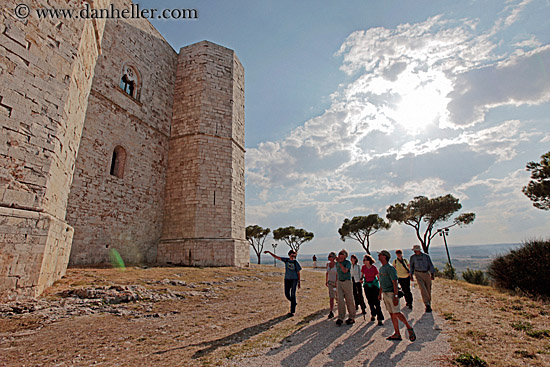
(346, 280)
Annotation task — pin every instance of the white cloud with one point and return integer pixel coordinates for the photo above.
(516, 81)
(412, 122)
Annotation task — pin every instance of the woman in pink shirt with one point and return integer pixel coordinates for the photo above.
(372, 288)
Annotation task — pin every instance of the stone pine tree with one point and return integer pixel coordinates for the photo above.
(423, 214)
(256, 236)
(538, 189)
(293, 237)
(361, 228)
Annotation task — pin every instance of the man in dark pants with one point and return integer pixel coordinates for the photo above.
(292, 277)
(402, 266)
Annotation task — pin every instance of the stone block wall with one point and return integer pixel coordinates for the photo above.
(203, 184)
(180, 196)
(46, 70)
(124, 213)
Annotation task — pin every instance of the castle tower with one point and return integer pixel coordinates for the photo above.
(46, 71)
(204, 222)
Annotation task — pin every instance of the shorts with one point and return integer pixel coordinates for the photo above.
(388, 302)
(331, 289)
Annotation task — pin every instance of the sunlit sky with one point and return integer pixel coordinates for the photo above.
(354, 106)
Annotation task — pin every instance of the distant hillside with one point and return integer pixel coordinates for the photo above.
(476, 257)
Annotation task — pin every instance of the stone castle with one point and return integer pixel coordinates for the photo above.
(111, 140)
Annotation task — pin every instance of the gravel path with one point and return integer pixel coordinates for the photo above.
(322, 343)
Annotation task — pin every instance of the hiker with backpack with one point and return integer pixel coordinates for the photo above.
(402, 266)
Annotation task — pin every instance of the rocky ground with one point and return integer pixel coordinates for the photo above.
(165, 316)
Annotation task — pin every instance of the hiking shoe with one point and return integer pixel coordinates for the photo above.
(380, 322)
(339, 322)
(410, 306)
(330, 315)
(350, 321)
(428, 308)
(394, 337)
(412, 335)
(372, 318)
(290, 314)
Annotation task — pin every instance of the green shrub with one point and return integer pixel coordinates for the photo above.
(526, 268)
(448, 272)
(475, 277)
(466, 359)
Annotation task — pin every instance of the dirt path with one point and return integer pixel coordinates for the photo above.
(322, 343)
(199, 317)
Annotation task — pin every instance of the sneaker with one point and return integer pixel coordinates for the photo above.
(350, 321)
(330, 315)
(372, 318)
(428, 308)
(410, 306)
(290, 314)
(339, 322)
(380, 322)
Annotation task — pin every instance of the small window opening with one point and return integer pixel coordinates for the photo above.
(118, 161)
(129, 82)
(127, 85)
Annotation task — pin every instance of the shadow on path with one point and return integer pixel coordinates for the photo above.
(234, 338)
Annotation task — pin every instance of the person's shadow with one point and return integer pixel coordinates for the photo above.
(234, 338)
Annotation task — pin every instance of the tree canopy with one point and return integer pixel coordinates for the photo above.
(293, 237)
(538, 189)
(256, 236)
(423, 211)
(360, 228)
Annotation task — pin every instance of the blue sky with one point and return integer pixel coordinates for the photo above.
(357, 105)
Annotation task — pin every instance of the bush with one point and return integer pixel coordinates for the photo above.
(448, 272)
(526, 268)
(467, 359)
(475, 277)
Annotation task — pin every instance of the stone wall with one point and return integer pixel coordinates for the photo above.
(124, 213)
(179, 197)
(205, 188)
(46, 70)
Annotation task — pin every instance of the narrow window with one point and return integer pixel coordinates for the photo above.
(129, 82)
(118, 161)
(127, 85)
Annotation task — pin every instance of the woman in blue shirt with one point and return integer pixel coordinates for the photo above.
(292, 277)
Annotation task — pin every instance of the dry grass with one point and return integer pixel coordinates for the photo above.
(231, 319)
(244, 316)
(500, 328)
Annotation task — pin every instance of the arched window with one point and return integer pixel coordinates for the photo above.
(129, 82)
(118, 162)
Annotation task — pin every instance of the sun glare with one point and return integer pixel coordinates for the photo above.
(423, 101)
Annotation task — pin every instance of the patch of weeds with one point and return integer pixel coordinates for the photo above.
(539, 334)
(469, 360)
(525, 354)
(504, 309)
(517, 307)
(521, 326)
(448, 316)
(476, 334)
